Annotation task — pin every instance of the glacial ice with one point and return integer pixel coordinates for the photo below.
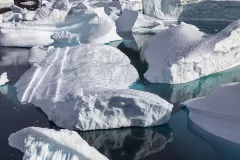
(89, 26)
(182, 53)
(59, 75)
(218, 113)
(3, 78)
(48, 144)
(133, 21)
(193, 10)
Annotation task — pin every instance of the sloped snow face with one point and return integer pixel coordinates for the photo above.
(92, 26)
(3, 78)
(107, 109)
(218, 113)
(137, 22)
(48, 144)
(71, 71)
(182, 53)
(193, 10)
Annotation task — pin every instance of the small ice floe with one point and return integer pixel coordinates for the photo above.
(3, 78)
(49, 144)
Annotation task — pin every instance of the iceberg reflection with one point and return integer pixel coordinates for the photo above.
(128, 144)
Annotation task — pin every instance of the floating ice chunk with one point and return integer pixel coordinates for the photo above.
(48, 144)
(218, 113)
(135, 5)
(65, 39)
(92, 27)
(3, 78)
(66, 71)
(107, 109)
(183, 53)
(135, 21)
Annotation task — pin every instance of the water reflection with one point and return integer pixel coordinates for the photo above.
(129, 144)
(14, 62)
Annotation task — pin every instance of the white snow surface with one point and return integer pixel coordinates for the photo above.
(183, 53)
(3, 78)
(193, 10)
(74, 70)
(137, 22)
(89, 26)
(48, 144)
(219, 112)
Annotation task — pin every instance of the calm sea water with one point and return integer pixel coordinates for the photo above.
(180, 139)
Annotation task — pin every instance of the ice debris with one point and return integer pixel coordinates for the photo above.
(3, 78)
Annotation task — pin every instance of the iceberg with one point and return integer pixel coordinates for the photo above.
(218, 113)
(49, 144)
(92, 26)
(75, 70)
(182, 53)
(133, 21)
(3, 78)
(193, 10)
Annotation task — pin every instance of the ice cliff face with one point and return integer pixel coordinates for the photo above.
(183, 53)
(193, 10)
(48, 144)
(218, 113)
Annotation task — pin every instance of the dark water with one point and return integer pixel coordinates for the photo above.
(180, 139)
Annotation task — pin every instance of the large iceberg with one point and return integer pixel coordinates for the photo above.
(73, 71)
(3, 78)
(133, 21)
(218, 113)
(88, 26)
(193, 10)
(182, 53)
(48, 144)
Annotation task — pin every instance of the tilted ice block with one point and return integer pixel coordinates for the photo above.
(183, 53)
(48, 144)
(94, 26)
(3, 78)
(218, 113)
(71, 71)
(107, 109)
(137, 22)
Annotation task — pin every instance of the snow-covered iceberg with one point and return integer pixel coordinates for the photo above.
(115, 143)
(48, 144)
(193, 10)
(218, 113)
(133, 21)
(73, 71)
(3, 78)
(182, 53)
(90, 26)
